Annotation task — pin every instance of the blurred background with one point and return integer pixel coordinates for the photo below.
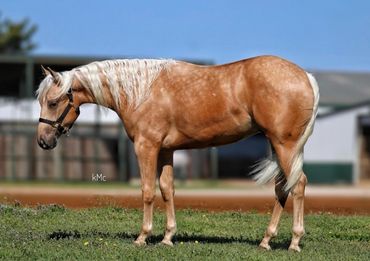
(328, 38)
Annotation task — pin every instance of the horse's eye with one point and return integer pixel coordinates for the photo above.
(52, 104)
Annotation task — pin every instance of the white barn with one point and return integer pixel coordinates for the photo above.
(339, 148)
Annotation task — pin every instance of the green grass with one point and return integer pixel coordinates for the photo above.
(53, 232)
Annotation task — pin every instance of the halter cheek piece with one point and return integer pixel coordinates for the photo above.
(58, 123)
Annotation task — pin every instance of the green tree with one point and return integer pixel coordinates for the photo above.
(16, 37)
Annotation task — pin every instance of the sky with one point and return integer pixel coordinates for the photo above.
(317, 35)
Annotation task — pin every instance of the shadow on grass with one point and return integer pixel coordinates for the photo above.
(155, 239)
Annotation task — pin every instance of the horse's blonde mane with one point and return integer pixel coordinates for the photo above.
(133, 76)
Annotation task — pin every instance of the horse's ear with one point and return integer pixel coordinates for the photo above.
(55, 75)
(45, 72)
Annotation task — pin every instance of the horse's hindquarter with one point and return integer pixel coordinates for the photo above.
(281, 96)
(205, 105)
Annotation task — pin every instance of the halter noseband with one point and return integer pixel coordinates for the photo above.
(58, 123)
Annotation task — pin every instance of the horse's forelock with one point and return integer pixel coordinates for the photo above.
(48, 82)
(44, 86)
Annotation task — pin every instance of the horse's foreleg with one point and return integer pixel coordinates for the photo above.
(298, 213)
(147, 155)
(165, 167)
(281, 197)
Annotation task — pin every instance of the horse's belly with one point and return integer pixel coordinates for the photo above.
(205, 135)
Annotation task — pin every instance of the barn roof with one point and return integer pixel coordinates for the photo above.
(343, 89)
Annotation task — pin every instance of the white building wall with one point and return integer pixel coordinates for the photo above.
(334, 138)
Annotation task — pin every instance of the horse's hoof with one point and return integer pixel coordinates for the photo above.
(294, 248)
(265, 246)
(139, 242)
(167, 242)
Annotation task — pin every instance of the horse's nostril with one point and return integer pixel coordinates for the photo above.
(47, 145)
(43, 144)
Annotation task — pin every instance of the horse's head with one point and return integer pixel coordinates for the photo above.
(59, 109)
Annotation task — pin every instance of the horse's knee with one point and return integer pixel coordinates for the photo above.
(148, 194)
(148, 197)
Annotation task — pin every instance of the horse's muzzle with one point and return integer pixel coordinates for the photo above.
(47, 145)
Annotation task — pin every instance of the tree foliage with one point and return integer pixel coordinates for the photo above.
(16, 37)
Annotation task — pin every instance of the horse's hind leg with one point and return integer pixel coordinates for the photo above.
(165, 168)
(285, 152)
(298, 213)
(280, 199)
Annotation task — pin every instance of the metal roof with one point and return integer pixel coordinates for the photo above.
(343, 89)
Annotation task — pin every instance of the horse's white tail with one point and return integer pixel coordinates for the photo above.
(269, 169)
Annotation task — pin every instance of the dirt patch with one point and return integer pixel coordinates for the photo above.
(261, 202)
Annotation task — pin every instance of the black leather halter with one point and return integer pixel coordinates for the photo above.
(57, 124)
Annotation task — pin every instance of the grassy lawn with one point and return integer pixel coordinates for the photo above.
(52, 232)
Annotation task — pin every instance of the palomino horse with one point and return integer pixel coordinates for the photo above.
(167, 105)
